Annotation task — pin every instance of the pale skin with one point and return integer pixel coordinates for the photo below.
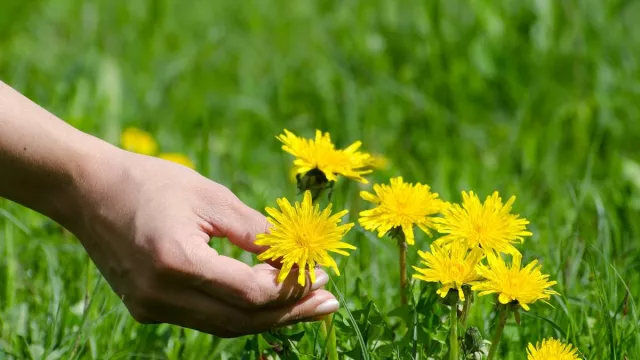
(146, 224)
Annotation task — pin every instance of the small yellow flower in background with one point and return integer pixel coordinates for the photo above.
(304, 235)
(178, 159)
(320, 153)
(512, 283)
(138, 141)
(552, 349)
(490, 226)
(452, 267)
(141, 142)
(401, 205)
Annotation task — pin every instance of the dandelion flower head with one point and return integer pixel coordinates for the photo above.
(514, 284)
(138, 141)
(401, 205)
(489, 225)
(551, 349)
(320, 153)
(303, 235)
(452, 267)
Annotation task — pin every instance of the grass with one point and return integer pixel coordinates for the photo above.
(532, 98)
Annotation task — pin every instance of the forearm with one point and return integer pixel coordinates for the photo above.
(44, 162)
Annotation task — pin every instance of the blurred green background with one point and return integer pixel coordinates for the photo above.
(538, 99)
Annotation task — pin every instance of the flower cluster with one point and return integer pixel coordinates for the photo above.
(474, 238)
(487, 228)
(302, 235)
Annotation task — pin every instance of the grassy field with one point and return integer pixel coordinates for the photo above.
(530, 98)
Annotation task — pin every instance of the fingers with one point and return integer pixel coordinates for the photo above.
(226, 216)
(196, 288)
(245, 226)
(315, 305)
(199, 311)
(236, 221)
(289, 290)
(238, 284)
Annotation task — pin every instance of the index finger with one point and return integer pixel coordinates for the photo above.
(239, 284)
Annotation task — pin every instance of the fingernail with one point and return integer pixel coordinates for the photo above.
(327, 307)
(321, 280)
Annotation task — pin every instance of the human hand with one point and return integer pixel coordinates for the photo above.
(146, 224)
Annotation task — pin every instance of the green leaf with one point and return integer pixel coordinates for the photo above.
(354, 323)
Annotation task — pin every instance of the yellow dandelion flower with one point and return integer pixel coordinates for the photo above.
(138, 141)
(552, 349)
(490, 226)
(401, 205)
(178, 159)
(303, 235)
(452, 267)
(320, 153)
(513, 284)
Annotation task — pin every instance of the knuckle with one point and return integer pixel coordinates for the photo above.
(227, 193)
(222, 196)
(169, 259)
(266, 226)
(297, 314)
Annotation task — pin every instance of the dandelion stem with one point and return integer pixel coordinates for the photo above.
(468, 295)
(326, 327)
(329, 334)
(402, 246)
(502, 320)
(453, 333)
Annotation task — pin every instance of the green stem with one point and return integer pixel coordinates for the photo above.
(402, 246)
(307, 182)
(329, 334)
(453, 333)
(468, 295)
(502, 320)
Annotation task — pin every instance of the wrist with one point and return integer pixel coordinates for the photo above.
(46, 164)
(96, 175)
